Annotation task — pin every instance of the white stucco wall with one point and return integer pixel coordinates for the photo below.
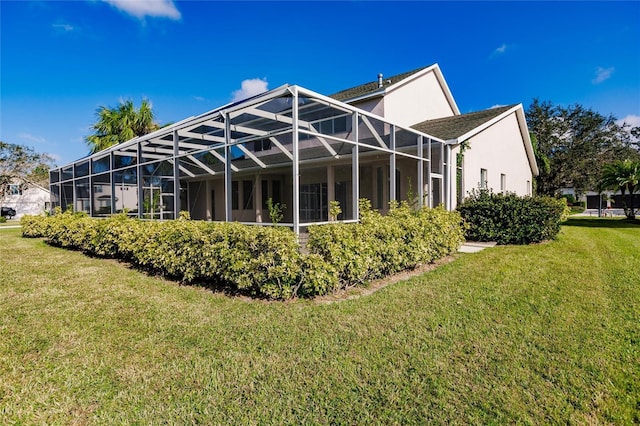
(420, 99)
(500, 150)
(374, 106)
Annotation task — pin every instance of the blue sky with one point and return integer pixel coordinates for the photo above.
(60, 61)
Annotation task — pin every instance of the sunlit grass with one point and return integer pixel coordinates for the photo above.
(546, 333)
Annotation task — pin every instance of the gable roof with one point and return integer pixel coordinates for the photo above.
(372, 87)
(448, 128)
(459, 128)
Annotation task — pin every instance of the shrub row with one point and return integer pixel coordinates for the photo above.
(262, 261)
(382, 245)
(511, 219)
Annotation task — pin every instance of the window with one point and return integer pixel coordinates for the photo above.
(15, 189)
(483, 179)
(340, 124)
(379, 188)
(503, 183)
(235, 195)
(276, 193)
(313, 202)
(528, 187)
(247, 194)
(265, 193)
(325, 127)
(262, 145)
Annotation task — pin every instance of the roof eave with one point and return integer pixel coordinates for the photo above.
(524, 131)
(378, 93)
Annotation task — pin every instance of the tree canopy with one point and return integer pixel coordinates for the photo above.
(623, 176)
(121, 123)
(23, 164)
(573, 145)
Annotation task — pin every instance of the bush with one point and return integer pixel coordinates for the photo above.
(382, 245)
(33, 226)
(571, 200)
(3, 219)
(511, 219)
(261, 261)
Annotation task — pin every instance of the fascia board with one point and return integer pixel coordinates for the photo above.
(377, 94)
(522, 125)
(524, 130)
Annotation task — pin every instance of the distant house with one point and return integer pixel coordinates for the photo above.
(389, 139)
(25, 198)
(606, 199)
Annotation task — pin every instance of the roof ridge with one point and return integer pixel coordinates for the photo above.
(372, 86)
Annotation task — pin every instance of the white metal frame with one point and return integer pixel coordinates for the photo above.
(184, 141)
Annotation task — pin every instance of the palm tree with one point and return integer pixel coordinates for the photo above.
(119, 124)
(623, 176)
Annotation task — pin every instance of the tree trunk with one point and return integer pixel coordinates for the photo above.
(630, 210)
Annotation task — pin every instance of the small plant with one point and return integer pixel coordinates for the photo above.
(412, 197)
(334, 210)
(275, 211)
(3, 219)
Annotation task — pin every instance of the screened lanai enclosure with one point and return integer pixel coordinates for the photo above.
(296, 147)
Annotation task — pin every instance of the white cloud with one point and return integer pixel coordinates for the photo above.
(602, 74)
(249, 88)
(497, 106)
(500, 50)
(64, 27)
(143, 8)
(57, 158)
(31, 138)
(630, 120)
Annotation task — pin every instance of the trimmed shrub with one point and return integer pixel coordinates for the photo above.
(382, 245)
(318, 277)
(33, 226)
(262, 261)
(511, 219)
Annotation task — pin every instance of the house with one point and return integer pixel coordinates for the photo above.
(25, 198)
(390, 139)
(607, 199)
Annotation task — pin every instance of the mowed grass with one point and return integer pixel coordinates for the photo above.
(548, 333)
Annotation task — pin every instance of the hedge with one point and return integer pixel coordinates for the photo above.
(263, 261)
(382, 245)
(512, 219)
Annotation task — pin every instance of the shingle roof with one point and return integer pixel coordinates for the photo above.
(372, 87)
(453, 127)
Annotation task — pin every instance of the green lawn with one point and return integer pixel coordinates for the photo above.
(12, 222)
(548, 333)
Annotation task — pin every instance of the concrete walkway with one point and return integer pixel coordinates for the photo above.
(474, 246)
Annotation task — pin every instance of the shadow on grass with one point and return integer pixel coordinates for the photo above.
(589, 222)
